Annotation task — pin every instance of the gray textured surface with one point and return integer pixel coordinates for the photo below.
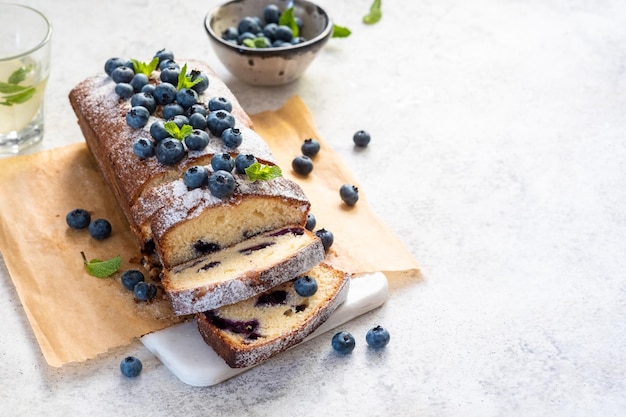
(498, 158)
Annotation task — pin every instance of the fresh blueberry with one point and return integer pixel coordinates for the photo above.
(326, 236)
(197, 140)
(165, 93)
(130, 367)
(232, 137)
(100, 229)
(148, 88)
(170, 151)
(349, 194)
(222, 184)
(279, 44)
(124, 90)
(302, 164)
(122, 74)
(145, 100)
(310, 222)
(196, 176)
(222, 161)
(201, 85)
(172, 109)
(377, 337)
(230, 34)
(220, 103)
(145, 291)
(244, 36)
(168, 63)
(132, 277)
(196, 109)
(284, 33)
(139, 81)
(243, 161)
(180, 120)
(78, 218)
(343, 342)
(305, 286)
(170, 75)
(269, 31)
(298, 39)
(197, 121)
(113, 63)
(164, 55)
(158, 131)
(310, 147)
(137, 117)
(143, 148)
(361, 138)
(249, 24)
(271, 14)
(187, 97)
(219, 120)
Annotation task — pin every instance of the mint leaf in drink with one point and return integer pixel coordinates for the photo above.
(340, 31)
(102, 269)
(375, 13)
(19, 75)
(145, 68)
(288, 18)
(258, 171)
(15, 93)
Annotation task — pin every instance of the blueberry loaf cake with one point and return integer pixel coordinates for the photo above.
(242, 270)
(146, 129)
(253, 330)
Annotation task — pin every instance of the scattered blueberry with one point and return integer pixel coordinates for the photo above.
(144, 100)
(168, 63)
(197, 121)
(132, 277)
(196, 176)
(113, 63)
(196, 109)
(310, 147)
(131, 366)
(326, 236)
(349, 194)
(78, 218)
(139, 81)
(197, 140)
(124, 90)
(164, 55)
(165, 93)
(222, 161)
(143, 148)
(187, 97)
(201, 85)
(145, 291)
(361, 138)
(171, 110)
(137, 117)
(343, 342)
(148, 88)
(170, 75)
(243, 161)
(220, 103)
(219, 120)
(377, 337)
(310, 222)
(232, 137)
(170, 151)
(100, 229)
(305, 286)
(222, 184)
(122, 74)
(180, 120)
(302, 164)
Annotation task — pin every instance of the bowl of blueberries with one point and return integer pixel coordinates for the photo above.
(268, 42)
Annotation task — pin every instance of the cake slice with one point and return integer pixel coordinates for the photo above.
(253, 330)
(241, 271)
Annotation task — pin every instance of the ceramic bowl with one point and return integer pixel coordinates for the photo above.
(268, 66)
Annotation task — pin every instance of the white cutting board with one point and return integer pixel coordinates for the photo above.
(183, 351)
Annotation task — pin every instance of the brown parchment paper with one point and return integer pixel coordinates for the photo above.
(75, 316)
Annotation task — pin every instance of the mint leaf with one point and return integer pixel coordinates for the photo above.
(258, 171)
(375, 13)
(102, 269)
(19, 75)
(340, 32)
(14, 93)
(256, 43)
(186, 81)
(145, 68)
(176, 132)
(25, 94)
(287, 18)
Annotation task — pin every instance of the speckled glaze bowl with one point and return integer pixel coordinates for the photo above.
(268, 66)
